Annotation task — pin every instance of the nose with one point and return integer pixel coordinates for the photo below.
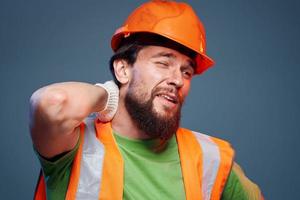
(176, 79)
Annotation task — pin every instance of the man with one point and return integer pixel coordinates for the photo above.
(134, 148)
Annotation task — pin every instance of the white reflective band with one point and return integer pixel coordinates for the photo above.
(211, 162)
(91, 164)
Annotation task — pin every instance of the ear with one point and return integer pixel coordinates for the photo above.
(122, 70)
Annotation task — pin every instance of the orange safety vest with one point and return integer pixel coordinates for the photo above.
(98, 168)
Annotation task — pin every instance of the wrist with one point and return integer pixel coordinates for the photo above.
(111, 105)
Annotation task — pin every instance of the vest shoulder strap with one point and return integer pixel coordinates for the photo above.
(214, 158)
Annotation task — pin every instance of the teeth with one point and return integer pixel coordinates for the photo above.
(168, 98)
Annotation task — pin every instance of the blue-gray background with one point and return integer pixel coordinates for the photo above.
(251, 96)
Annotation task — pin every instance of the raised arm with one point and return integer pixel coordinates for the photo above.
(56, 112)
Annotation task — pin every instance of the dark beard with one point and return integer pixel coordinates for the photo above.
(147, 120)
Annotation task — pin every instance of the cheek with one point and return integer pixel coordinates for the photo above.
(140, 87)
(154, 74)
(149, 77)
(186, 89)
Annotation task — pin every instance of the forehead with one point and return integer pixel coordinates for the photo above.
(152, 52)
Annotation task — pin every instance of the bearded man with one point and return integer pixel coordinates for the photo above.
(133, 147)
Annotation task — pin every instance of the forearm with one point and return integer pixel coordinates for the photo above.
(56, 112)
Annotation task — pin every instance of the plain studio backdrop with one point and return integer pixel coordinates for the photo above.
(250, 97)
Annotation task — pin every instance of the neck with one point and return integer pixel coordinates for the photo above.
(125, 126)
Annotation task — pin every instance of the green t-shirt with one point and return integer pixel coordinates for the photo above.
(145, 170)
(145, 173)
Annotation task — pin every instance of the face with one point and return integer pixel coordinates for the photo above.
(159, 83)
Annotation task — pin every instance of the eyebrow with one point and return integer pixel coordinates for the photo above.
(191, 62)
(163, 54)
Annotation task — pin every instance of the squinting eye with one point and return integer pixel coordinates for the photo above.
(165, 64)
(187, 74)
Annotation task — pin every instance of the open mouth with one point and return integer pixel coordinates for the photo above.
(169, 97)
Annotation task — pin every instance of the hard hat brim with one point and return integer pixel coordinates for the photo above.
(203, 62)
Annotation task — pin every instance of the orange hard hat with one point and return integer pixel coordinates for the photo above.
(176, 21)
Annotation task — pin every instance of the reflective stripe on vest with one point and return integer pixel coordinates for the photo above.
(211, 163)
(90, 165)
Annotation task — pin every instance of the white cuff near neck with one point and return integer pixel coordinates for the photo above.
(111, 106)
